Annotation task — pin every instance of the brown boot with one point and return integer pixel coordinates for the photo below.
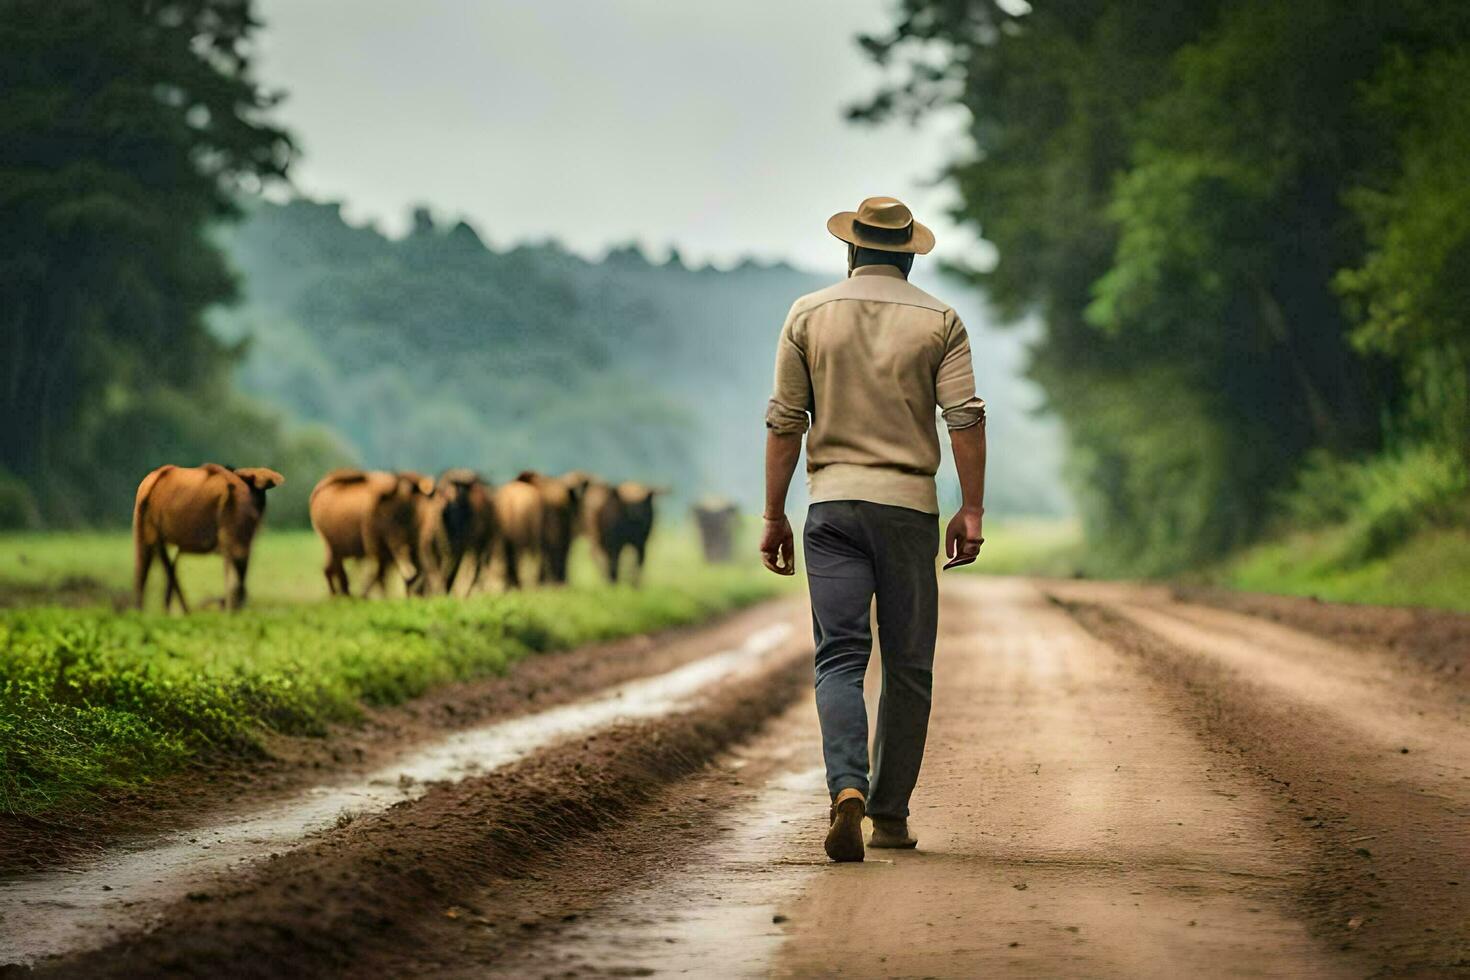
(845, 836)
(888, 832)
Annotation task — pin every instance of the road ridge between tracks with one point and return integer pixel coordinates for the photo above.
(366, 887)
(1391, 887)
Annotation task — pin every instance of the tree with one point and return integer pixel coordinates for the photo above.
(1171, 185)
(126, 129)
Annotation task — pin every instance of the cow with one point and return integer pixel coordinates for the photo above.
(370, 514)
(716, 518)
(519, 514)
(561, 502)
(199, 510)
(459, 523)
(617, 518)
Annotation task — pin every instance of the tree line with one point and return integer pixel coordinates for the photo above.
(127, 130)
(1245, 225)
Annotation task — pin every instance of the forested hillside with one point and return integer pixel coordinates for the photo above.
(1245, 225)
(434, 350)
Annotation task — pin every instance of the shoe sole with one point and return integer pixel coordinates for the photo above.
(845, 836)
(904, 845)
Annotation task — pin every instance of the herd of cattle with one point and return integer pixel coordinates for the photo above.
(432, 532)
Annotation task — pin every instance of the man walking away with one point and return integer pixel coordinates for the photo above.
(861, 368)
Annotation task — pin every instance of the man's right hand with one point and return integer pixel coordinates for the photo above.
(778, 546)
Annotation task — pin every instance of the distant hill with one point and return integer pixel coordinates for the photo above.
(434, 350)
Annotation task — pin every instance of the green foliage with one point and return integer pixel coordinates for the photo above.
(1186, 196)
(1379, 504)
(92, 699)
(1411, 291)
(126, 128)
(1431, 568)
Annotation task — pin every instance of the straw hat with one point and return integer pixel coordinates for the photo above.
(883, 223)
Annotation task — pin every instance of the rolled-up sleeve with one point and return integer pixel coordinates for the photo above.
(954, 383)
(791, 396)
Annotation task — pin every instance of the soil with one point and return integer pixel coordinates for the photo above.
(376, 887)
(287, 764)
(1436, 640)
(1118, 784)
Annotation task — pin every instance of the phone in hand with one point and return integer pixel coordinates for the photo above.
(961, 559)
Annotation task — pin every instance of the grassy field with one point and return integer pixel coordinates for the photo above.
(93, 698)
(1431, 569)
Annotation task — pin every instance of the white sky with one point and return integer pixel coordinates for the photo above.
(716, 127)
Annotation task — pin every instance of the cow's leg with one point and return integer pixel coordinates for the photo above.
(378, 579)
(512, 556)
(640, 551)
(170, 568)
(613, 554)
(484, 561)
(235, 598)
(451, 571)
(142, 565)
(336, 573)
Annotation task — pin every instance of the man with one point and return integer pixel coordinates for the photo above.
(864, 365)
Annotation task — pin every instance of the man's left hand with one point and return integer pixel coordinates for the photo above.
(964, 536)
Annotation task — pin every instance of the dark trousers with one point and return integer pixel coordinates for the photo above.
(855, 550)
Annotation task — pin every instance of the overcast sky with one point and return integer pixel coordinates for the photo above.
(716, 127)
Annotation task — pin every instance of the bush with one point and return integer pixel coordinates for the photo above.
(1382, 501)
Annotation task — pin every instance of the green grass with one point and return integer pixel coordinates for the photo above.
(285, 567)
(1432, 568)
(92, 699)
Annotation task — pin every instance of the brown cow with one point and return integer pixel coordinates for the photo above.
(618, 518)
(374, 515)
(460, 524)
(561, 502)
(199, 510)
(716, 518)
(520, 514)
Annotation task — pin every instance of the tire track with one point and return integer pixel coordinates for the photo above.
(376, 887)
(64, 911)
(1389, 830)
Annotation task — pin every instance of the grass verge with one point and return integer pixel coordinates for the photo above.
(1432, 568)
(92, 699)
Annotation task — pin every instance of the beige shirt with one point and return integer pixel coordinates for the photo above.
(869, 360)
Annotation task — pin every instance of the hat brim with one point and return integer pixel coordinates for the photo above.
(843, 226)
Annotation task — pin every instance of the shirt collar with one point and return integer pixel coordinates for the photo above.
(878, 270)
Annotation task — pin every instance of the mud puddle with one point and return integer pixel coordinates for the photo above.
(86, 906)
(718, 913)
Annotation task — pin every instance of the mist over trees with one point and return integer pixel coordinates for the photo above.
(1243, 224)
(435, 350)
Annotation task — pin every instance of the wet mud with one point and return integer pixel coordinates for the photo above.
(220, 788)
(375, 887)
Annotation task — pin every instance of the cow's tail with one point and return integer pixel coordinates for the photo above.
(142, 547)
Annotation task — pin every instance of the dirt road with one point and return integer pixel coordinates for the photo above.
(1119, 783)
